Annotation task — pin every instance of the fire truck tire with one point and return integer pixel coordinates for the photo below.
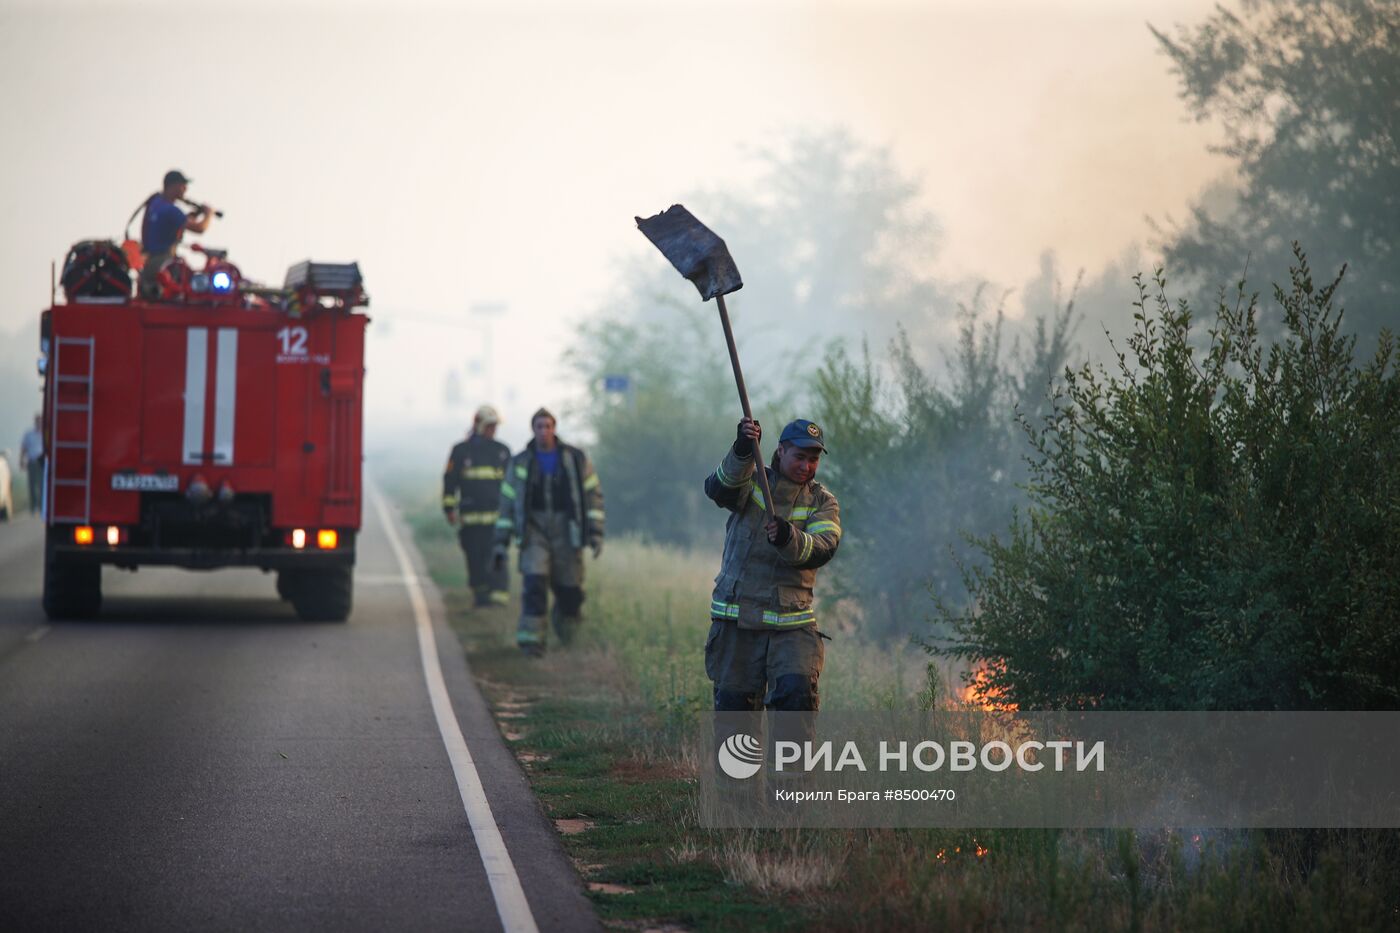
(323, 595)
(285, 581)
(72, 591)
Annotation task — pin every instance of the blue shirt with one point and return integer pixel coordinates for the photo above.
(549, 462)
(161, 226)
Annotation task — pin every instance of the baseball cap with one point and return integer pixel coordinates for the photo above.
(176, 177)
(487, 415)
(804, 434)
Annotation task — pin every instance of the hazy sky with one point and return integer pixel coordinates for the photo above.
(496, 153)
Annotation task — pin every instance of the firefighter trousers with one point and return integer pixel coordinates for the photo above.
(488, 585)
(744, 663)
(757, 669)
(147, 285)
(550, 560)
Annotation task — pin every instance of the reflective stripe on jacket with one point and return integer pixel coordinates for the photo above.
(586, 522)
(761, 586)
(471, 481)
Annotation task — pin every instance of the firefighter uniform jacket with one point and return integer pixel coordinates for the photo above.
(471, 482)
(761, 586)
(522, 482)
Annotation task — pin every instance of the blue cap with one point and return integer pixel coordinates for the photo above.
(803, 434)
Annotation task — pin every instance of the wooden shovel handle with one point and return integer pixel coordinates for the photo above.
(744, 401)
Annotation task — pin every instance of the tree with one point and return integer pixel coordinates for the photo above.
(922, 465)
(830, 243)
(1212, 528)
(656, 443)
(1308, 94)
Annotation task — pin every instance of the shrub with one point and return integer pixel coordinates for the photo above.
(1213, 526)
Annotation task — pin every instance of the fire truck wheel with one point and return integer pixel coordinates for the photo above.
(72, 591)
(323, 595)
(286, 579)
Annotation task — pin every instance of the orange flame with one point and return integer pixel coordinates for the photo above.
(982, 693)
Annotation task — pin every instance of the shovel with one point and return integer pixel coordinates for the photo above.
(703, 258)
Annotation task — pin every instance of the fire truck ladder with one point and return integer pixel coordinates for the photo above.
(60, 443)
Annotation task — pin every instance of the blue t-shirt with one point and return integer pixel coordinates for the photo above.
(161, 226)
(549, 462)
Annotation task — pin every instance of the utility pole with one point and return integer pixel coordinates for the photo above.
(487, 312)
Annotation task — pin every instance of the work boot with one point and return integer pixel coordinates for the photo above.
(532, 650)
(532, 630)
(565, 626)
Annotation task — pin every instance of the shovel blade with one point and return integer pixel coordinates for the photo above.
(694, 250)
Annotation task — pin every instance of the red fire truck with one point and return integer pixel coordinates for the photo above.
(215, 424)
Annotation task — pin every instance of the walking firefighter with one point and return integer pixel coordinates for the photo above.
(552, 501)
(471, 495)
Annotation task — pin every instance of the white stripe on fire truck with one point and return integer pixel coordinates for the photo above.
(196, 362)
(225, 394)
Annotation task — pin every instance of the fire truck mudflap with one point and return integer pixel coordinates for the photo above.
(217, 426)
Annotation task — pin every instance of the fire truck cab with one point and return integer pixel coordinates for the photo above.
(215, 425)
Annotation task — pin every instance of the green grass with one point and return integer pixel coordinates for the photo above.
(605, 730)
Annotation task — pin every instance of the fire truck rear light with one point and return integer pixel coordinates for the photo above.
(298, 538)
(326, 539)
(114, 535)
(83, 534)
(198, 491)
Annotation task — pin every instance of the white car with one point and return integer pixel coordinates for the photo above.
(7, 499)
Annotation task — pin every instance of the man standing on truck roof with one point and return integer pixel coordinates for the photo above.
(471, 498)
(163, 226)
(763, 648)
(553, 501)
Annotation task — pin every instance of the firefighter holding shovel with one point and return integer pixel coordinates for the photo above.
(763, 649)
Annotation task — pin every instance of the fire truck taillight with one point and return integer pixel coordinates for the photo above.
(83, 535)
(114, 536)
(326, 539)
(198, 491)
(298, 538)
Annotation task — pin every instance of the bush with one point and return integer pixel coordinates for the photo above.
(1213, 527)
(918, 466)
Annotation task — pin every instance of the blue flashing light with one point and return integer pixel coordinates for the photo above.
(222, 282)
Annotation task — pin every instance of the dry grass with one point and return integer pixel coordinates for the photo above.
(794, 863)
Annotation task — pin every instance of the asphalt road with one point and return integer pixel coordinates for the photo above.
(200, 759)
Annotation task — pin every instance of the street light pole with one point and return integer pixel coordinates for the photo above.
(487, 311)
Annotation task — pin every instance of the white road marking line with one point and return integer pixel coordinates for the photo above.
(383, 579)
(511, 905)
(37, 634)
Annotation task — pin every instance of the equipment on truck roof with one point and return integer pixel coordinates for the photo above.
(96, 269)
